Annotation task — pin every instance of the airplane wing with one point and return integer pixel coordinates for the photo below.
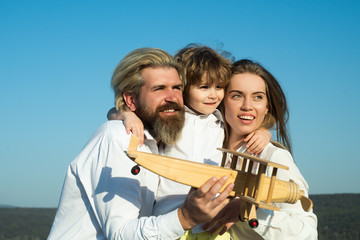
(253, 188)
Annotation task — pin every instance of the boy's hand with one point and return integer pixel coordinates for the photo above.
(132, 123)
(257, 140)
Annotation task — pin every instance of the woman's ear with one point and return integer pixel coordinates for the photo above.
(129, 99)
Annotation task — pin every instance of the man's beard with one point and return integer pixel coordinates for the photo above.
(166, 129)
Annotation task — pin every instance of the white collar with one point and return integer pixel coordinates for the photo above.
(216, 113)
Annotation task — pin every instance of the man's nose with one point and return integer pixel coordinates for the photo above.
(171, 95)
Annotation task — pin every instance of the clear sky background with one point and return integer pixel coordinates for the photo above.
(57, 57)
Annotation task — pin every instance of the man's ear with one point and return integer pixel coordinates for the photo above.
(129, 99)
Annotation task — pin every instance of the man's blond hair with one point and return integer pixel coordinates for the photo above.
(127, 74)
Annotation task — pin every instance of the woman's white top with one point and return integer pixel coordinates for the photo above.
(291, 222)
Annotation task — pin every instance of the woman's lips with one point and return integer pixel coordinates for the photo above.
(246, 118)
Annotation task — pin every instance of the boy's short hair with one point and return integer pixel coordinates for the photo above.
(127, 74)
(198, 60)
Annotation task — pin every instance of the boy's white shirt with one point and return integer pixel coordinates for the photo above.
(201, 136)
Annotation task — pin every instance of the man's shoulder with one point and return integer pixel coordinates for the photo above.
(113, 129)
(113, 125)
(109, 133)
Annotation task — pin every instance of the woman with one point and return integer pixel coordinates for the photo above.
(253, 99)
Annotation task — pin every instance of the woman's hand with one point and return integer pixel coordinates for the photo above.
(227, 217)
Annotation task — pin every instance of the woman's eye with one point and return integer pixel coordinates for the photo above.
(258, 97)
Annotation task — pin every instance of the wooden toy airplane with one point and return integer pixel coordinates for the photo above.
(255, 188)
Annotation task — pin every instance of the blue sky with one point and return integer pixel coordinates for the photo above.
(56, 60)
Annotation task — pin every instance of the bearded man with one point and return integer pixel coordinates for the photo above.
(101, 198)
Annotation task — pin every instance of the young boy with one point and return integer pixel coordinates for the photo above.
(207, 73)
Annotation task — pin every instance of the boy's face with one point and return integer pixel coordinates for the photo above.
(204, 98)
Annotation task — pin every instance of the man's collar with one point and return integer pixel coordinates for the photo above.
(148, 136)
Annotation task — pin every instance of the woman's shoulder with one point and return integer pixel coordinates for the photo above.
(282, 156)
(275, 152)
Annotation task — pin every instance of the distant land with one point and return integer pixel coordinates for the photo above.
(6, 206)
(338, 218)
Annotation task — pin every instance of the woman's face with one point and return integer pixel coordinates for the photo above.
(245, 103)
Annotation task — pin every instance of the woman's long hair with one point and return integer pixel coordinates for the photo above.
(278, 113)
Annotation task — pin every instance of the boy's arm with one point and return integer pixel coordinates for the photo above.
(257, 140)
(131, 121)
